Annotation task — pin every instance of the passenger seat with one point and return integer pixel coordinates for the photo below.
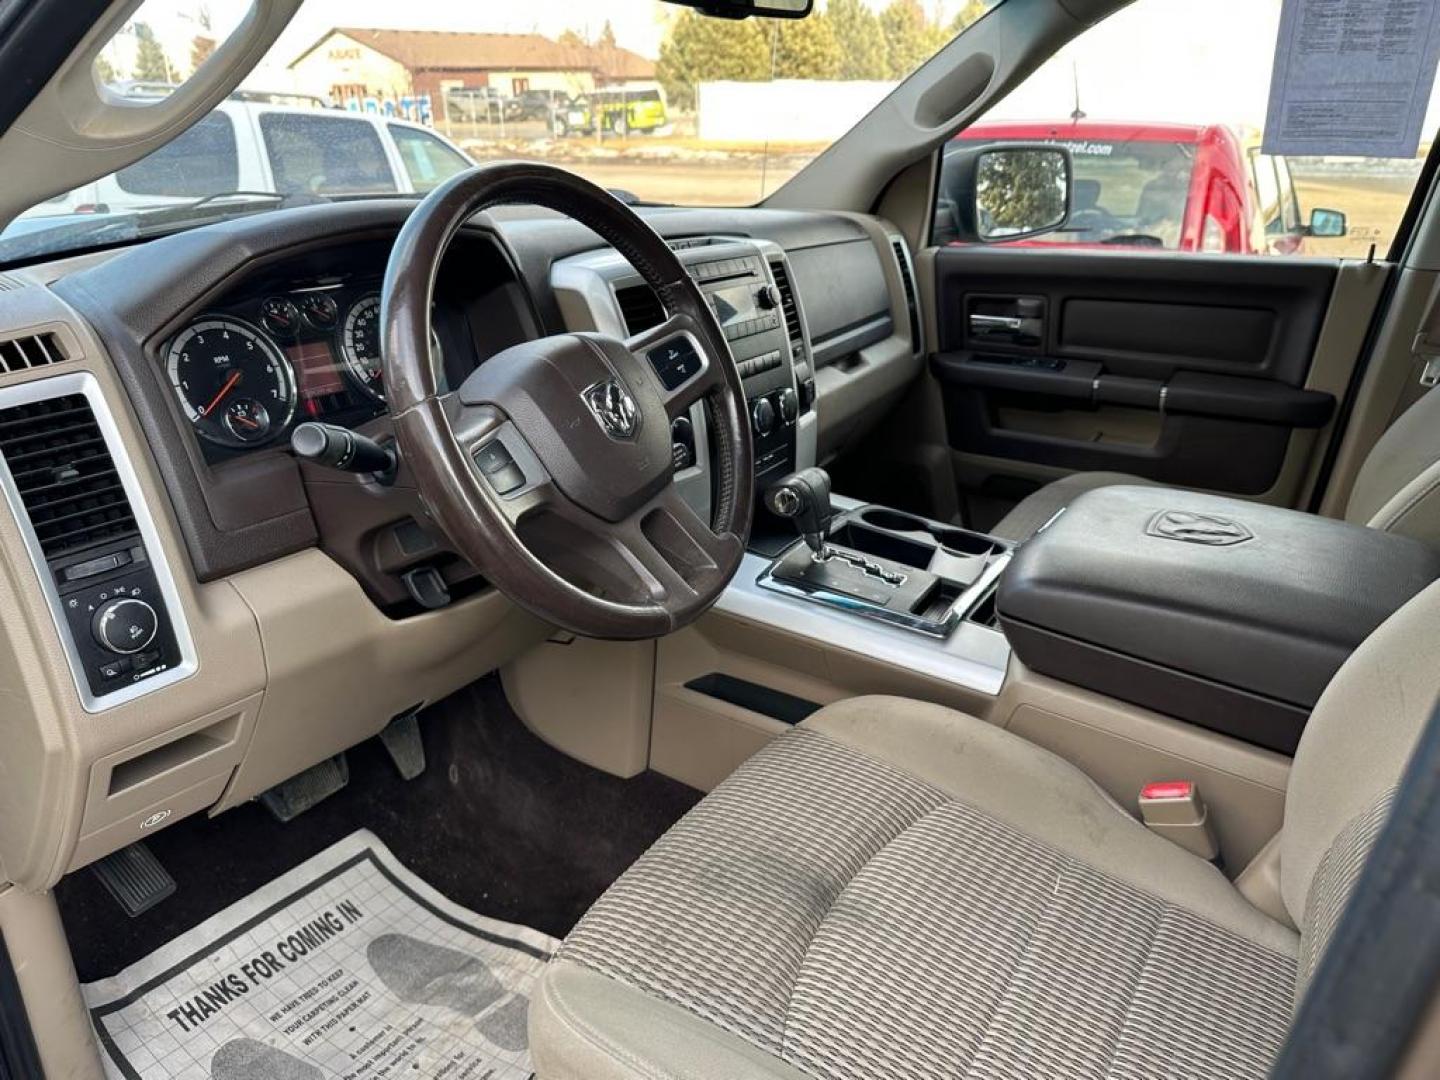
(1397, 489)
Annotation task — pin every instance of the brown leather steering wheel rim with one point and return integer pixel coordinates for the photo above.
(439, 434)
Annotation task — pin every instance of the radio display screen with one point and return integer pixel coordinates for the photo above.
(735, 305)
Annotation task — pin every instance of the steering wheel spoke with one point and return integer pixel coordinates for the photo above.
(676, 362)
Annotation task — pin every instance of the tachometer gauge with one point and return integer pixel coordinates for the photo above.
(360, 346)
(235, 386)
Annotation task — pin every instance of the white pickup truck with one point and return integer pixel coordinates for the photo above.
(245, 146)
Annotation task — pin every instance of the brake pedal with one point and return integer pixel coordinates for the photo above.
(289, 799)
(135, 878)
(401, 739)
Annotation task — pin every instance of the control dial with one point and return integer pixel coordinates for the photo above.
(768, 297)
(762, 417)
(125, 625)
(789, 405)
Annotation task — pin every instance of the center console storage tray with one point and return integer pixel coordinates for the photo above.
(1224, 613)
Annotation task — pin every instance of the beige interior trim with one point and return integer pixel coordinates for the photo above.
(1358, 288)
(52, 744)
(337, 670)
(1260, 883)
(1390, 385)
(1124, 747)
(589, 699)
(700, 740)
(30, 924)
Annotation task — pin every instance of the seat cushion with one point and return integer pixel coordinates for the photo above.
(896, 889)
(1038, 507)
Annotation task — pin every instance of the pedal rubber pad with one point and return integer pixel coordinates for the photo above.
(135, 878)
(401, 739)
(288, 800)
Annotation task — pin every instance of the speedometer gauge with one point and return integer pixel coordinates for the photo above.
(235, 386)
(360, 346)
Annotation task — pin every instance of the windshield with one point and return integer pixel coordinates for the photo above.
(358, 98)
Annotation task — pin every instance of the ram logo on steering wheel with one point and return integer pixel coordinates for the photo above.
(613, 406)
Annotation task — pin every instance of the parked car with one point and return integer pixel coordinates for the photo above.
(248, 146)
(476, 105)
(1172, 186)
(620, 112)
(537, 104)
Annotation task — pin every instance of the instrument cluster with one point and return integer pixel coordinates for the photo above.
(245, 374)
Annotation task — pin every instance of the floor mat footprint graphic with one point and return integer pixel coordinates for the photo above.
(250, 1059)
(419, 973)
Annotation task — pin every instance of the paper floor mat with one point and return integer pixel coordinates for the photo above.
(348, 966)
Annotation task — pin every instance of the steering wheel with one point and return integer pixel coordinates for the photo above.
(550, 468)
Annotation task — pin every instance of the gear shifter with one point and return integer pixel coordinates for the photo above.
(804, 498)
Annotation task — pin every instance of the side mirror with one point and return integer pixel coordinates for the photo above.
(1002, 192)
(1327, 223)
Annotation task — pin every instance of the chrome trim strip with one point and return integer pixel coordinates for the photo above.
(84, 383)
(973, 657)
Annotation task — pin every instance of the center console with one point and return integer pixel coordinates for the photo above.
(880, 564)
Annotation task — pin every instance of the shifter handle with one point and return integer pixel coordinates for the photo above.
(804, 498)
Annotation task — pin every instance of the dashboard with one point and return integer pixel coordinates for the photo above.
(200, 586)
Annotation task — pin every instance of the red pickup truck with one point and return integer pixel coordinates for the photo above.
(1173, 186)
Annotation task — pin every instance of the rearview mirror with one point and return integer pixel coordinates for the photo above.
(743, 9)
(1002, 192)
(1327, 223)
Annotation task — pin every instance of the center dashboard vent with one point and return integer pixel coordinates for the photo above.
(907, 279)
(24, 353)
(640, 308)
(789, 310)
(66, 478)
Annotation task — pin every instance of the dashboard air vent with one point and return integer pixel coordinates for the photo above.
(65, 475)
(640, 308)
(907, 279)
(24, 353)
(789, 310)
(8, 283)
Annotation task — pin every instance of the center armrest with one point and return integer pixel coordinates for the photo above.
(1226, 613)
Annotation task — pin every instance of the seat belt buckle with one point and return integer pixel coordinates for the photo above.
(1173, 809)
(1424, 349)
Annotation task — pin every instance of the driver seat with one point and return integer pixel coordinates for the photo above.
(894, 889)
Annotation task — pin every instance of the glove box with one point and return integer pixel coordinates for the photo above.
(1227, 614)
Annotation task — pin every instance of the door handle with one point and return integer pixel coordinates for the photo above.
(989, 324)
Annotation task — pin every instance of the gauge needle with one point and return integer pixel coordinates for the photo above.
(244, 420)
(229, 385)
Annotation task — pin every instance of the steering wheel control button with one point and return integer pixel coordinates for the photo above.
(493, 457)
(125, 626)
(506, 480)
(676, 362)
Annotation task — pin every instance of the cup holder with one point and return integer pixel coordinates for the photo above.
(893, 520)
(960, 542)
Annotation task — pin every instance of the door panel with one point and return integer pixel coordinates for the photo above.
(1188, 370)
